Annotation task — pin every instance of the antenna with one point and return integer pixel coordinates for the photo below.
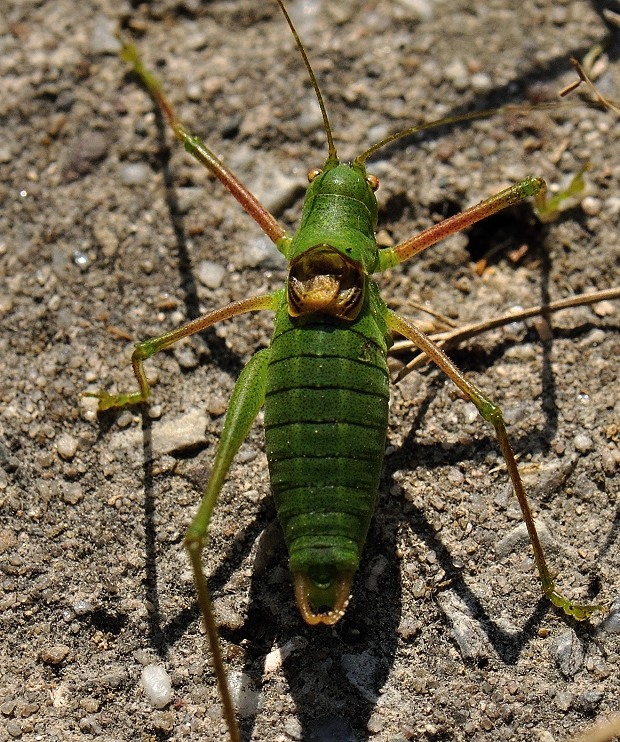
(332, 157)
(472, 116)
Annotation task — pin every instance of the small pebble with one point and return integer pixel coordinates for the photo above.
(89, 725)
(84, 154)
(113, 679)
(598, 667)
(66, 445)
(377, 572)
(375, 724)
(14, 729)
(157, 685)
(135, 174)
(217, 405)
(293, 728)
(103, 39)
(589, 700)
(408, 628)
(124, 419)
(310, 118)
(194, 91)
(559, 15)
(72, 493)
(6, 303)
(155, 411)
(360, 670)
(164, 722)
(563, 700)
(262, 253)
(55, 654)
(419, 10)
(186, 357)
(612, 622)
(180, 434)
(455, 476)
(281, 193)
(8, 539)
(593, 339)
(211, 274)
(591, 206)
(275, 658)
(518, 537)
(481, 82)
(470, 638)
(604, 309)
(568, 653)
(583, 443)
(82, 607)
(8, 708)
(245, 696)
(29, 709)
(81, 259)
(457, 74)
(90, 705)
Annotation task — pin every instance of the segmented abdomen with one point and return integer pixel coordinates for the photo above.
(326, 410)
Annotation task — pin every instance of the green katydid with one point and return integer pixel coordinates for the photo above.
(323, 380)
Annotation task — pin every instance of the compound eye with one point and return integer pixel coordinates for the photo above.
(373, 182)
(314, 174)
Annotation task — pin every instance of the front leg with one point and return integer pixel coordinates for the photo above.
(148, 348)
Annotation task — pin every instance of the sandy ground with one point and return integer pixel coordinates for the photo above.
(109, 236)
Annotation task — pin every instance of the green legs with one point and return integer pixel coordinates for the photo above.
(144, 350)
(246, 400)
(199, 150)
(547, 208)
(509, 197)
(530, 187)
(493, 414)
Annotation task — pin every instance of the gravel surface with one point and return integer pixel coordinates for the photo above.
(110, 233)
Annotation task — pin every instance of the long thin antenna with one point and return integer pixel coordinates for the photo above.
(332, 158)
(472, 116)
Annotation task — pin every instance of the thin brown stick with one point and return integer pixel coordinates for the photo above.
(583, 77)
(451, 338)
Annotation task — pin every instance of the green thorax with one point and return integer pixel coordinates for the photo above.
(340, 210)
